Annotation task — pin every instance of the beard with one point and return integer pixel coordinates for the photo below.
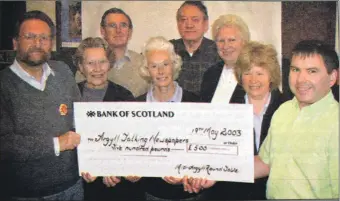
(25, 57)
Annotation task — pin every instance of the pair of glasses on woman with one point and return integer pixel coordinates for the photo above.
(95, 63)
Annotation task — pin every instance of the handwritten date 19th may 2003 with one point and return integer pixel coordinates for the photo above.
(213, 133)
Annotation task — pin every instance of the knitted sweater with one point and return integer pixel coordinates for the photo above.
(29, 119)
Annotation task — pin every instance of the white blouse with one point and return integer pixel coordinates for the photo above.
(226, 86)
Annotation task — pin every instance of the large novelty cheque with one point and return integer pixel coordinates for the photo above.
(213, 141)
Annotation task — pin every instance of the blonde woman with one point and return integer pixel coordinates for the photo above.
(257, 71)
(230, 34)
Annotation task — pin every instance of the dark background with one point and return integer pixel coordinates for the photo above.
(300, 20)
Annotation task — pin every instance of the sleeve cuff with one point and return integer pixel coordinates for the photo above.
(56, 146)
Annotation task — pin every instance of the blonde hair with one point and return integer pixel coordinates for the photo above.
(231, 21)
(159, 43)
(265, 56)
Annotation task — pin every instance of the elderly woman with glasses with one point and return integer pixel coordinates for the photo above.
(93, 59)
(257, 71)
(161, 67)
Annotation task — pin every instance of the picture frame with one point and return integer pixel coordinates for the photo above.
(69, 24)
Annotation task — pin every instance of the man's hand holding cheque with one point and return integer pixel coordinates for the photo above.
(68, 141)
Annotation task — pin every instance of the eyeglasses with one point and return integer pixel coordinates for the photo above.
(32, 37)
(95, 63)
(122, 25)
(164, 64)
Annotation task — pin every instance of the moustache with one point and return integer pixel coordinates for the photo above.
(303, 85)
(35, 49)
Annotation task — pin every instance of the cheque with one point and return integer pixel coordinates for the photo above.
(214, 141)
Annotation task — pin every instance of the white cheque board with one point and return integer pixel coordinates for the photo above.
(213, 141)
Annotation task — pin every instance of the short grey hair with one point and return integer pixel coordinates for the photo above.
(159, 43)
(91, 42)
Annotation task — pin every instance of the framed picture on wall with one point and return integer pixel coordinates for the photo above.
(66, 43)
(70, 23)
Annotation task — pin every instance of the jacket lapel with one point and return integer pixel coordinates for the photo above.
(275, 102)
(238, 95)
(210, 82)
(254, 135)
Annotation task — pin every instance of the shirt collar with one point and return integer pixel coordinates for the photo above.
(226, 68)
(48, 69)
(317, 106)
(246, 98)
(127, 54)
(16, 67)
(120, 62)
(177, 97)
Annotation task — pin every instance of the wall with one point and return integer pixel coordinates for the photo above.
(307, 20)
(47, 7)
(302, 21)
(151, 18)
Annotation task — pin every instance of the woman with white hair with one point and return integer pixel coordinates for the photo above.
(161, 67)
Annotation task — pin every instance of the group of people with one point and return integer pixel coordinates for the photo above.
(295, 141)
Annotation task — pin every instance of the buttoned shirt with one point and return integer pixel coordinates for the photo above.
(302, 150)
(258, 120)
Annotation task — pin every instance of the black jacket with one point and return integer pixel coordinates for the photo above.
(114, 92)
(210, 81)
(335, 91)
(275, 101)
(237, 190)
(257, 190)
(125, 190)
(157, 186)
